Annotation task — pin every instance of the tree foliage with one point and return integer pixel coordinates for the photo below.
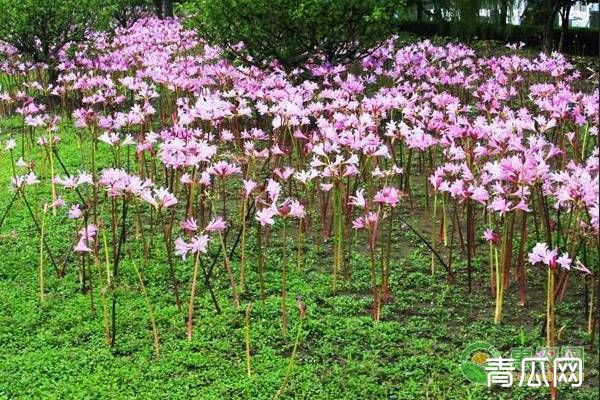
(41, 29)
(126, 12)
(294, 31)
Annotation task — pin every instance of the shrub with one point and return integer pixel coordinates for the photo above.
(295, 31)
(579, 41)
(40, 30)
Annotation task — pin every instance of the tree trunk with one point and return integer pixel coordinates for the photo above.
(158, 8)
(551, 8)
(564, 26)
(419, 10)
(168, 8)
(503, 15)
(437, 11)
(52, 73)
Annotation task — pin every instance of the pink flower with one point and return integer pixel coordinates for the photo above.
(223, 169)
(273, 189)
(368, 221)
(249, 186)
(359, 199)
(359, 223)
(538, 254)
(500, 205)
(164, 198)
(181, 248)
(189, 225)
(217, 224)
(204, 179)
(81, 247)
(265, 216)
(388, 195)
(541, 254)
(199, 244)
(284, 173)
(26, 180)
(579, 266)
(58, 203)
(74, 212)
(87, 235)
(564, 261)
(297, 209)
(491, 236)
(147, 196)
(284, 209)
(478, 193)
(186, 179)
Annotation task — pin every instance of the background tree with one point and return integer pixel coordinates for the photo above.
(40, 30)
(126, 12)
(545, 12)
(294, 31)
(164, 8)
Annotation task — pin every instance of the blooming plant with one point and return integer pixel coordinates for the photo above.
(182, 152)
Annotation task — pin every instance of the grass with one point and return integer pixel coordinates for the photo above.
(57, 350)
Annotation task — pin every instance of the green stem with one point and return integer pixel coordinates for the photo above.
(291, 362)
(190, 321)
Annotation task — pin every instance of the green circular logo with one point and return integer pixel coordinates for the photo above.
(473, 359)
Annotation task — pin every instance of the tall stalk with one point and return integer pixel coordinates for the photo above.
(115, 273)
(247, 340)
(155, 342)
(433, 230)
(243, 246)
(521, 260)
(292, 361)
(284, 280)
(190, 321)
(41, 262)
(261, 262)
(236, 298)
(338, 227)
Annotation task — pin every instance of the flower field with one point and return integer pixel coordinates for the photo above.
(177, 225)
